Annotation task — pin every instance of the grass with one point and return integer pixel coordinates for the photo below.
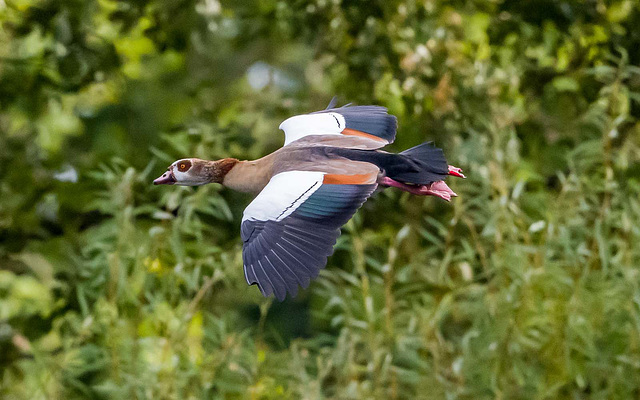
(526, 286)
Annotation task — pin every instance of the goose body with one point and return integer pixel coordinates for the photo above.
(330, 164)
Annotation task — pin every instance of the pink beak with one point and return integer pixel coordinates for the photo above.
(165, 179)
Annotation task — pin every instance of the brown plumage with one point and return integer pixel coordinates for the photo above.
(330, 164)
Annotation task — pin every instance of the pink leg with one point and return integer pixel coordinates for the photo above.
(438, 189)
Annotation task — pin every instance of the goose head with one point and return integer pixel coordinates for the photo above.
(195, 172)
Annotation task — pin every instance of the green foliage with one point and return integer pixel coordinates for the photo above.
(525, 286)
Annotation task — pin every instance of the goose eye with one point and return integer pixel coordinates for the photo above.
(184, 166)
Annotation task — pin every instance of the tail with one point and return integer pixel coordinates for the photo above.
(420, 165)
(430, 165)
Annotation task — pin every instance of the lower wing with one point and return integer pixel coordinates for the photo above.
(290, 228)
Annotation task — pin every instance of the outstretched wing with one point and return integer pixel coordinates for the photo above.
(371, 122)
(290, 228)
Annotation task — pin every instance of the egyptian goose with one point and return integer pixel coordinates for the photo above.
(330, 164)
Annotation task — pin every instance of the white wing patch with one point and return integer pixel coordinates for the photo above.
(282, 195)
(300, 126)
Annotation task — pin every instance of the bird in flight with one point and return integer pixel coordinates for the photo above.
(331, 162)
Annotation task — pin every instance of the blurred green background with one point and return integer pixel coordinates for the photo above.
(527, 286)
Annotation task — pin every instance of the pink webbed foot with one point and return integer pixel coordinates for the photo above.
(438, 188)
(455, 171)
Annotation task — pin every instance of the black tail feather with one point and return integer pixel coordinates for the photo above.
(430, 163)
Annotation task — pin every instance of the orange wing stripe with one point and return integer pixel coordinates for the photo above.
(353, 132)
(357, 179)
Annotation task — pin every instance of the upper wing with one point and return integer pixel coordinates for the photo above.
(290, 228)
(370, 122)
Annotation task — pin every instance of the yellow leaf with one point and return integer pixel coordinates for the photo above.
(262, 356)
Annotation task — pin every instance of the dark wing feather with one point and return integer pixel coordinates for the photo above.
(281, 255)
(332, 103)
(373, 120)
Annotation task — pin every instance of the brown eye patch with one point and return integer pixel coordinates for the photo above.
(184, 166)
